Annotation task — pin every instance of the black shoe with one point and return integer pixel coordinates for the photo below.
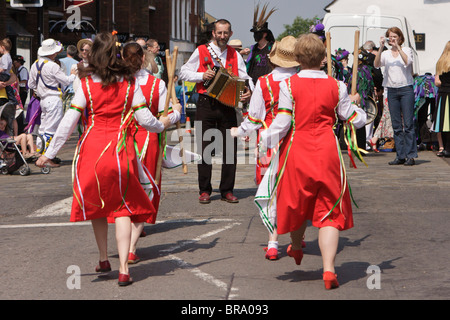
(446, 153)
(410, 162)
(397, 161)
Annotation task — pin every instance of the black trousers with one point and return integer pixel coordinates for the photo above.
(212, 136)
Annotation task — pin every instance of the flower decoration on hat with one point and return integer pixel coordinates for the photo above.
(341, 54)
(319, 29)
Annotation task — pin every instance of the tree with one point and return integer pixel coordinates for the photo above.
(298, 27)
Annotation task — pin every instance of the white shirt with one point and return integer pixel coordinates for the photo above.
(189, 71)
(143, 116)
(52, 75)
(282, 123)
(22, 74)
(397, 74)
(257, 105)
(6, 63)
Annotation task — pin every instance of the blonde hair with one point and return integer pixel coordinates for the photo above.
(7, 44)
(309, 50)
(443, 64)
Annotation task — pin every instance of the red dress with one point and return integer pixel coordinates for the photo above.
(148, 145)
(312, 185)
(271, 91)
(106, 179)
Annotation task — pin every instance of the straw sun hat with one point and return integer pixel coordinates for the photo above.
(235, 43)
(282, 53)
(82, 42)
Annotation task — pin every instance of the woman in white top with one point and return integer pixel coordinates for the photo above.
(398, 80)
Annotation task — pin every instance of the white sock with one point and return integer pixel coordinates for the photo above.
(272, 244)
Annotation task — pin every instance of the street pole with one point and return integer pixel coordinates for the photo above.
(40, 26)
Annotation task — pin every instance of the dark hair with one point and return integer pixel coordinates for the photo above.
(71, 50)
(105, 60)
(133, 54)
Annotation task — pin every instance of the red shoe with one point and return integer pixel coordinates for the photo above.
(272, 254)
(103, 266)
(296, 254)
(133, 258)
(330, 280)
(124, 279)
(230, 198)
(303, 244)
(204, 198)
(374, 146)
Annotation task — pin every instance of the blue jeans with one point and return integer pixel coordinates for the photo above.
(401, 106)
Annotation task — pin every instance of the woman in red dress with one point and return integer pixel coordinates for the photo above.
(148, 143)
(310, 176)
(106, 170)
(263, 108)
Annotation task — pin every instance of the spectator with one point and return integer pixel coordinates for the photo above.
(22, 77)
(24, 140)
(67, 64)
(398, 80)
(84, 48)
(153, 47)
(149, 64)
(441, 118)
(6, 67)
(69, 60)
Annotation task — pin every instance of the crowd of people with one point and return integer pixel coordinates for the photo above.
(114, 94)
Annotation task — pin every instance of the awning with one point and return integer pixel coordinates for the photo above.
(13, 28)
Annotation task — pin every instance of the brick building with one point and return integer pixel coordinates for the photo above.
(171, 22)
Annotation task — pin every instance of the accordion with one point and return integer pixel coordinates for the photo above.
(226, 88)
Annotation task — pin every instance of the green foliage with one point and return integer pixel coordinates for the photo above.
(298, 27)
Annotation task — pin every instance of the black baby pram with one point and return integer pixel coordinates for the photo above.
(11, 159)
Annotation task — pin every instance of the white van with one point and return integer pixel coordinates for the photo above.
(342, 29)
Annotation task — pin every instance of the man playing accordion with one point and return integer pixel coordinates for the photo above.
(213, 114)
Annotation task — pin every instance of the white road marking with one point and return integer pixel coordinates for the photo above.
(203, 275)
(63, 207)
(56, 209)
(44, 225)
(203, 236)
(196, 271)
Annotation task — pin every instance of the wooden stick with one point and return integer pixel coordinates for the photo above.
(355, 62)
(170, 74)
(328, 41)
(178, 124)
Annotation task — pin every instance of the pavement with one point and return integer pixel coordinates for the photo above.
(398, 249)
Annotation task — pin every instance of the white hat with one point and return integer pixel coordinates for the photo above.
(49, 47)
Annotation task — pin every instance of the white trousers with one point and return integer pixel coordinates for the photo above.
(51, 116)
